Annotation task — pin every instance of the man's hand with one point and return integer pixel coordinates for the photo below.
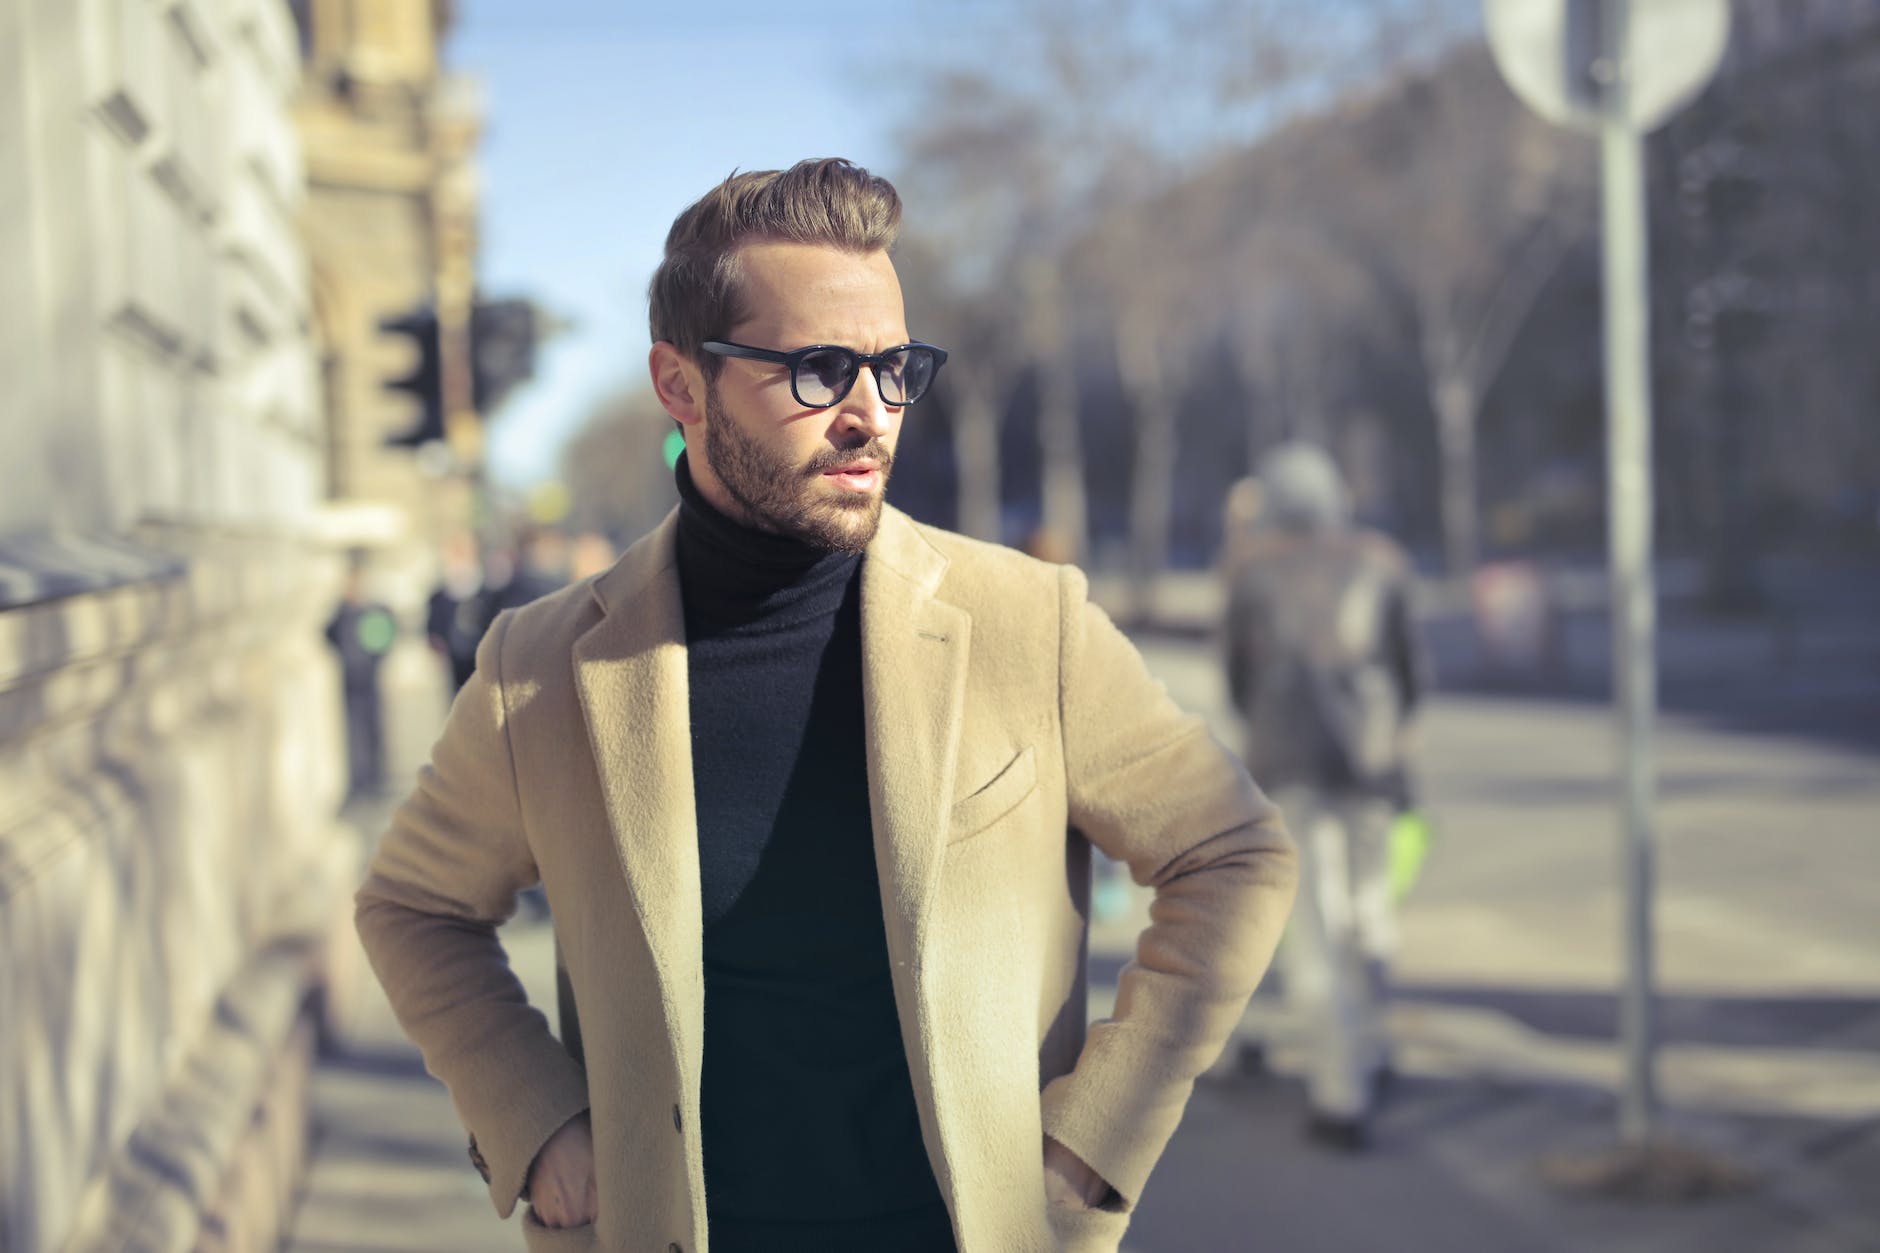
(561, 1179)
(1068, 1180)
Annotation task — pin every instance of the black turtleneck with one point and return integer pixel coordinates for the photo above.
(810, 1133)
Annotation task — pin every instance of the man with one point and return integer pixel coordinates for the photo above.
(812, 788)
(541, 567)
(455, 617)
(1324, 663)
(361, 632)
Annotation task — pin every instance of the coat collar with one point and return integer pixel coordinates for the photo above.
(630, 670)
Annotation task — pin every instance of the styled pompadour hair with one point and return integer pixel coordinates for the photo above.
(696, 292)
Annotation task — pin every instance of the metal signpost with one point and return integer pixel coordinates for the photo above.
(1619, 68)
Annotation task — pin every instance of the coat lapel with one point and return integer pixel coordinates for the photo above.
(630, 669)
(914, 651)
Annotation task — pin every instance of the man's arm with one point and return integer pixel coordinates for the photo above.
(446, 873)
(1152, 788)
(1409, 659)
(1238, 641)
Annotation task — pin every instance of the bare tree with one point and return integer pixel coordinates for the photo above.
(1461, 207)
(1090, 106)
(1145, 272)
(982, 330)
(1296, 313)
(978, 165)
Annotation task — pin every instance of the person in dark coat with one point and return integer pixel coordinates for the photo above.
(459, 611)
(1324, 664)
(361, 632)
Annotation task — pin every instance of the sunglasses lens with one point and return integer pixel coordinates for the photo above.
(906, 376)
(823, 377)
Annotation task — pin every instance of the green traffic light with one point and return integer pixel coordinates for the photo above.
(674, 445)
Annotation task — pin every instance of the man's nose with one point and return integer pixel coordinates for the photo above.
(864, 410)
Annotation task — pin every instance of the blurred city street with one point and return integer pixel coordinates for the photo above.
(1504, 1033)
(1478, 398)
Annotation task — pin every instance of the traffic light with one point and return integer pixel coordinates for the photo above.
(424, 382)
(504, 335)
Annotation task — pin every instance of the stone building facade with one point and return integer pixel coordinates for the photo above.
(189, 364)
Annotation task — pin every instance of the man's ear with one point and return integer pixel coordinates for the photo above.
(679, 383)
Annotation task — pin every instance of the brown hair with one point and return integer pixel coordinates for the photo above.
(695, 293)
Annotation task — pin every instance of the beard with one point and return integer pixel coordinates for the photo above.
(776, 495)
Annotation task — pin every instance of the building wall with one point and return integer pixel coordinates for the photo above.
(170, 755)
(388, 137)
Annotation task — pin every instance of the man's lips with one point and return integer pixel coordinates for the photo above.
(857, 476)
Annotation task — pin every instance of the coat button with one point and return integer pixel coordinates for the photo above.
(674, 1248)
(677, 1123)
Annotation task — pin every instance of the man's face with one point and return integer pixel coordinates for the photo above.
(818, 475)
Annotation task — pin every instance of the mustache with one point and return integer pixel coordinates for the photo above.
(834, 458)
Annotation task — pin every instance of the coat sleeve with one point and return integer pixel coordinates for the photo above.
(445, 875)
(1152, 788)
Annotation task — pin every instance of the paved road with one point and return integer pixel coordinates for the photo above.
(1771, 845)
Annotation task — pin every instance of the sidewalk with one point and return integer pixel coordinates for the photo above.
(390, 1169)
(1457, 1163)
(1484, 1107)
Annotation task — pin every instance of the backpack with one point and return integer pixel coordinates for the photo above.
(1328, 702)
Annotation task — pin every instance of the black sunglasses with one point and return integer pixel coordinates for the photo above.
(822, 374)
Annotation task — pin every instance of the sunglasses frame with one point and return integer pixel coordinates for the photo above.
(794, 358)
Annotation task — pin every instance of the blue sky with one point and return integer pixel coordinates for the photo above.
(604, 119)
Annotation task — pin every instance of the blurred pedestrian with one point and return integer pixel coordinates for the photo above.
(362, 632)
(813, 788)
(590, 553)
(1047, 545)
(458, 611)
(541, 567)
(1324, 665)
(1240, 524)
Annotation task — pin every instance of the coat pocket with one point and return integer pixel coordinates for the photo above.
(997, 798)
(540, 1239)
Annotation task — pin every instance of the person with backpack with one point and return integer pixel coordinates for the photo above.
(1324, 664)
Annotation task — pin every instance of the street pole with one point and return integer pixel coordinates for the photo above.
(1634, 610)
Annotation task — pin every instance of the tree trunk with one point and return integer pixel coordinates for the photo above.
(1066, 521)
(1152, 474)
(1456, 411)
(1731, 577)
(976, 456)
(1151, 502)
(1066, 515)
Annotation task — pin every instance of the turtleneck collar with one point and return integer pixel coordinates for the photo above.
(730, 572)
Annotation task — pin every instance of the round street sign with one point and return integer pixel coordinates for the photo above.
(1552, 54)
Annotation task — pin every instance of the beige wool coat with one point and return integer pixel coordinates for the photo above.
(1008, 722)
